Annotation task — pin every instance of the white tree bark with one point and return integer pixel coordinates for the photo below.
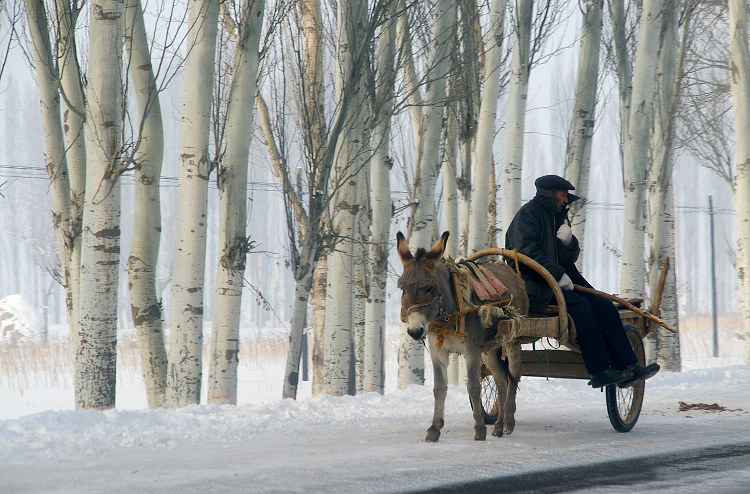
(144, 250)
(739, 64)
(186, 337)
(624, 70)
(411, 353)
(95, 368)
(661, 198)
(54, 142)
(510, 186)
(74, 109)
(582, 127)
(232, 180)
(381, 210)
(481, 166)
(349, 162)
(411, 80)
(633, 268)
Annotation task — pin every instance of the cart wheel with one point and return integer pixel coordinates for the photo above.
(624, 404)
(488, 396)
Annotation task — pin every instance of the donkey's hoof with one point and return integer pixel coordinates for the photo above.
(433, 434)
(480, 432)
(498, 430)
(508, 429)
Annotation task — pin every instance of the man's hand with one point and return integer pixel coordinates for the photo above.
(565, 234)
(566, 283)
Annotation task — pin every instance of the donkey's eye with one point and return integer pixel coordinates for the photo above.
(428, 291)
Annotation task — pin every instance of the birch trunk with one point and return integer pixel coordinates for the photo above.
(578, 161)
(411, 81)
(633, 269)
(74, 109)
(411, 353)
(144, 250)
(624, 71)
(481, 166)
(54, 143)
(381, 209)
(740, 67)
(316, 149)
(516, 112)
(96, 356)
(450, 184)
(339, 334)
(318, 300)
(232, 182)
(186, 338)
(468, 70)
(661, 197)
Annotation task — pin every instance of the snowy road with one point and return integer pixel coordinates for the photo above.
(723, 469)
(374, 443)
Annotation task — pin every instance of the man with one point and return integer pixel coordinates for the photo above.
(541, 231)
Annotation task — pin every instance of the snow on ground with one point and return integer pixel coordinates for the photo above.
(368, 443)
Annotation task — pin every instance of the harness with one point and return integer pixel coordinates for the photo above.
(443, 324)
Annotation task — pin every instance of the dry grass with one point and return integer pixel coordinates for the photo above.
(50, 364)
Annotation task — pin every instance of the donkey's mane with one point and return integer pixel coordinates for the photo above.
(421, 252)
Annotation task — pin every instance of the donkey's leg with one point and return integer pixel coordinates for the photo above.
(440, 389)
(500, 375)
(513, 352)
(473, 384)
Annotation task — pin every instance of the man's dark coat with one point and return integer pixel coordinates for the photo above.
(533, 232)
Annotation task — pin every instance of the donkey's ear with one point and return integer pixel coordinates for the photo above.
(403, 248)
(439, 248)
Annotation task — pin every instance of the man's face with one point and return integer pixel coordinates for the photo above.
(562, 199)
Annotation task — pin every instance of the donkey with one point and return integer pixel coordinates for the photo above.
(428, 298)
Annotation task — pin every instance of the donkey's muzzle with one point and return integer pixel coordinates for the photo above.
(418, 334)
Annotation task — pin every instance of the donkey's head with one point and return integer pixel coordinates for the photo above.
(420, 302)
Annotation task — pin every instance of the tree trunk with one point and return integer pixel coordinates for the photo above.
(96, 357)
(740, 67)
(186, 338)
(232, 181)
(633, 269)
(582, 127)
(661, 197)
(144, 250)
(516, 113)
(74, 109)
(411, 353)
(381, 209)
(54, 142)
(481, 166)
(348, 165)
(318, 300)
(622, 61)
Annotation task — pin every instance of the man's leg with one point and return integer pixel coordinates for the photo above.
(593, 350)
(612, 332)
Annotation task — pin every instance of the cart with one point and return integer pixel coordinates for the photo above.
(623, 404)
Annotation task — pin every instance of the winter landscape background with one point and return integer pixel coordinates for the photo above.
(367, 443)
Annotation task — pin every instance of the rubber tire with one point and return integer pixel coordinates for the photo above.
(624, 404)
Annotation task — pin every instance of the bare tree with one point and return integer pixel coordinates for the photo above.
(633, 270)
(232, 183)
(186, 337)
(144, 251)
(100, 246)
(578, 161)
(739, 64)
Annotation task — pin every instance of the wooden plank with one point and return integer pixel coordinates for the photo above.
(553, 363)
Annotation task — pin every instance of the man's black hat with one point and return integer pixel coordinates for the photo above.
(555, 182)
